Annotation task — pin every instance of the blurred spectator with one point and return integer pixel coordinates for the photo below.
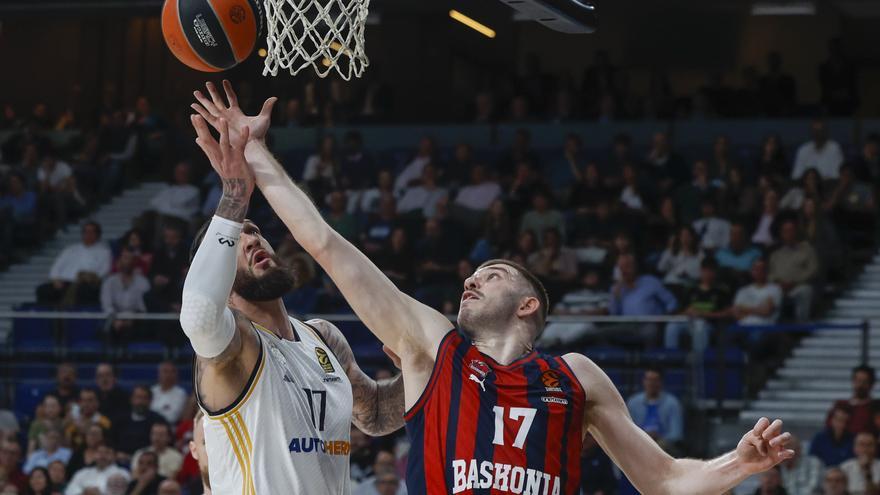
(738, 197)
(590, 299)
(96, 476)
(476, 197)
(338, 217)
(132, 430)
(437, 255)
(50, 450)
(778, 93)
(9, 426)
(738, 257)
(722, 161)
(65, 390)
(810, 186)
(384, 480)
(10, 464)
(497, 234)
(542, 217)
(834, 482)
(39, 483)
(458, 170)
(802, 473)
(422, 198)
(712, 230)
(863, 470)
(321, 170)
(566, 168)
(169, 487)
(771, 483)
(169, 398)
(821, 153)
(57, 476)
(840, 88)
(49, 416)
(362, 456)
(758, 303)
(117, 484)
(113, 399)
(637, 295)
(656, 411)
(689, 197)
(86, 454)
(522, 189)
(75, 276)
(179, 199)
(555, 264)
(145, 477)
(665, 167)
(589, 188)
(123, 292)
(133, 242)
(861, 406)
(597, 470)
(853, 205)
(367, 200)
(632, 195)
(772, 161)
(680, 262)
(58, 191)
(413, 170)
(197, 480)
(704, 304)
(396, 260)
(866, 166)
(794, 266)
(169, 458)
(167, 271)
(763, 234)
(520, 151)
(484, 108)
(18, 212)
(81, 418)
(819, 231)
(377, 231)
(358, 168)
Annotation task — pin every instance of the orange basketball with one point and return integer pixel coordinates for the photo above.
(211, 35)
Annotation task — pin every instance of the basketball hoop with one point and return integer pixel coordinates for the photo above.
(323, 34)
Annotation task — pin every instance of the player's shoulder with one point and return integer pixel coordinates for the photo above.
(585, 370)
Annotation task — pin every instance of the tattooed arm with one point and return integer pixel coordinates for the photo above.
(378, 405)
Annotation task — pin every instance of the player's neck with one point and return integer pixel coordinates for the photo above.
(268, 314)
(504, 348)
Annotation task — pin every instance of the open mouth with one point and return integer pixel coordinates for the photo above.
(260, 259)
(468, 295)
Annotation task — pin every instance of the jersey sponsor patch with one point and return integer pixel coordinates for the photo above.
(306, 445)
(502, 478)
(324, 360)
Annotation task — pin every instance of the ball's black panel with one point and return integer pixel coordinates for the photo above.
(205, 34)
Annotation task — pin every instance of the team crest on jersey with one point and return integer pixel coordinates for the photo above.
(324, 360)
(552, 381)
(479, 367)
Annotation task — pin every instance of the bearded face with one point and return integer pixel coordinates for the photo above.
(272, 280)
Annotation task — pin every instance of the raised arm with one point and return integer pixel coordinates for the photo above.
(632, 449)
(406, 326)
(378, 405)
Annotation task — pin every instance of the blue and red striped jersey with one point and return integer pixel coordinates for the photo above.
(484, 428)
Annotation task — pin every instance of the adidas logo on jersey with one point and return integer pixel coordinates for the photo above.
(288, 379)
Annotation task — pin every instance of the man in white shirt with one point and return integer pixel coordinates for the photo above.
(480, 193)
(414, 168)
(79, 268)
(180, 199)
(714, 232)
(424, 196)
(759, 302)
(169, 398)
(863, 471)
(169, 458)
(96, 476)
(821, 153)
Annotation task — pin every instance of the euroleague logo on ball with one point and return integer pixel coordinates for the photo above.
(237, 14)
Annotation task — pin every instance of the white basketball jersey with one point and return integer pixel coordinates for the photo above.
(289, 430)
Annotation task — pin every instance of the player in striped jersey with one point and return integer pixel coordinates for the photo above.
(279, 394)
(488, 414)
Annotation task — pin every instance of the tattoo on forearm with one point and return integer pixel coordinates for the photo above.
(377, 406)
(234, 202)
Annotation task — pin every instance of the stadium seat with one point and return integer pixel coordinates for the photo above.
(33, 336)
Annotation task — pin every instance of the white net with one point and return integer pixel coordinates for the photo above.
(325, 34)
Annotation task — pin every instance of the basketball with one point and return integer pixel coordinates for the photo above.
(211, 35)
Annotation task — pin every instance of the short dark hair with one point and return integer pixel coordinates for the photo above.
(709, 263)
(94, 224)
(536, 285)
(145, 388)
(654, 369)
(864, 368)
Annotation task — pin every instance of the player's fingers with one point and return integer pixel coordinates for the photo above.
(215, 95)
(774, 429)
(266, 111)
(202, 131)
(224, 137)
(231, 97)
(242, 141)
(760, 426)
(759, 445)
(204, 113)
(208, 104)
(786, 454)
(209, 149)
(780, 440)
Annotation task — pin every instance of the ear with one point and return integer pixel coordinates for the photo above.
(528, 306)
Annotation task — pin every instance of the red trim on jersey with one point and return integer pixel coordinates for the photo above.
(468, 408)
(574, 453)
(432, 380)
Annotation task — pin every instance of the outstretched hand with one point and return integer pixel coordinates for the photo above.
(227, 159)
(215, 108)
(764, 446)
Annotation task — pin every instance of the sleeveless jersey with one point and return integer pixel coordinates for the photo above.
(483, 428)
(288, 432)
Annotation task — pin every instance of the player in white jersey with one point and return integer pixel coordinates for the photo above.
(279, 395)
